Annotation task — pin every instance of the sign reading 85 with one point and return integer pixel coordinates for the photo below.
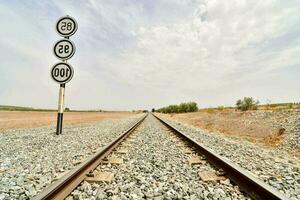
(66, 26)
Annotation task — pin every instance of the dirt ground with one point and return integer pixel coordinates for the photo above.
(30, 119)
(266, 127)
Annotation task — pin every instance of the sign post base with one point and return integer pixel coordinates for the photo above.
(59, 123)
(60, 113)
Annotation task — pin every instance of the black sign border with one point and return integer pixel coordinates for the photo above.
(69, 66)
(71, 33)
(64, 58)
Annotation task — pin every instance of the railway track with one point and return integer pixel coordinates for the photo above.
(252, 187)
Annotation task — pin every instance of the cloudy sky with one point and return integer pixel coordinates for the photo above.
(135, 54)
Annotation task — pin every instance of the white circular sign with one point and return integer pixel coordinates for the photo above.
(66, 26)
(64, 49)
(62, 72)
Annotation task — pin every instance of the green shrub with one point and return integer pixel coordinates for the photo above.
(210, 110)
(248, 103)
(181, 108)
(221, 108)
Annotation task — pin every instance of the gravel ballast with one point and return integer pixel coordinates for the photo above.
(31, 159)
(155, 168)
(275, 166)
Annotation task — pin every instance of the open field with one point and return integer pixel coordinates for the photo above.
(29, 119)
(264, 126)
(22, 108)
(273, 107)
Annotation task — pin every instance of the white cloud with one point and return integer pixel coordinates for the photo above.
(146, 54)
(220, 40)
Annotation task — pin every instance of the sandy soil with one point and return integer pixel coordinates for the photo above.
(267, 127)
(25, 119)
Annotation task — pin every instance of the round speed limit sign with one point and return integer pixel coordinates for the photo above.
(64, 49)
(66, 26)
(62, 72)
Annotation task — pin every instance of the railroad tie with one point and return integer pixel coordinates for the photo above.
(101, 177)
(113, 161)
(122, 151)
(207, 176)
(194, 160)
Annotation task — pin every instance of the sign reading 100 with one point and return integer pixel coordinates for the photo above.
(62, 72)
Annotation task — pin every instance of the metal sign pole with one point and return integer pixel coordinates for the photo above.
(60, 113)
(62, 72)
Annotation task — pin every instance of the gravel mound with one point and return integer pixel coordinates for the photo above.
(31, 159)
(293, 140)
(275, 166)
(155, 168)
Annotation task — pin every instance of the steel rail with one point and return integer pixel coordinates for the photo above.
(66, 184)
(254, 187)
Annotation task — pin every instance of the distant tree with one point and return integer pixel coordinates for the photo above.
(248, 103)
(181, 108)
(192, 107)
(221, 108)
(153, 110)
(239, 104)
(67, 109)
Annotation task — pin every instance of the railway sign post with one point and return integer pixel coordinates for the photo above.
(63, 72)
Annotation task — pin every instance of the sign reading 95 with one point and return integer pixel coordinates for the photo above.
(62, 72)
(66, 26)
(64, 49)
